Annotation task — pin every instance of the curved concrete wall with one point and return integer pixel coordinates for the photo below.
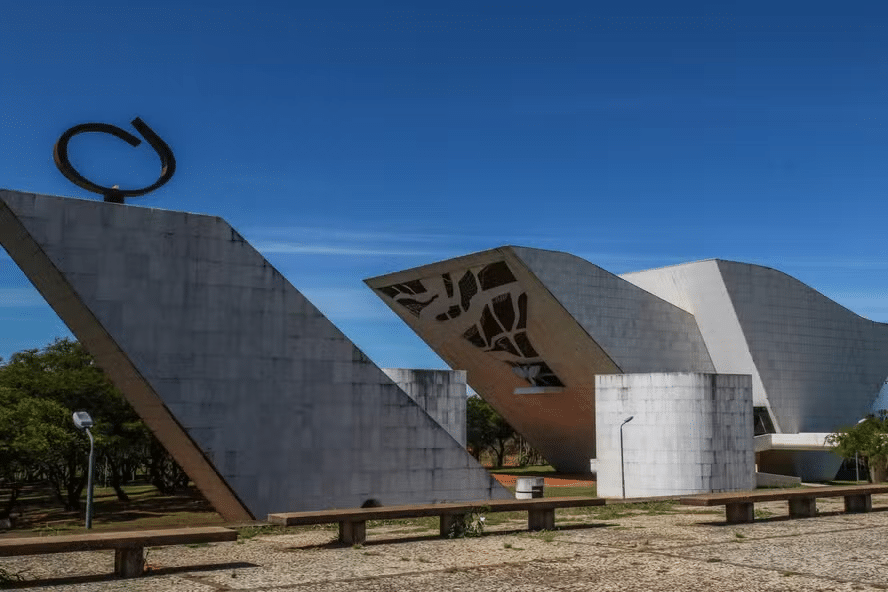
(690, 433)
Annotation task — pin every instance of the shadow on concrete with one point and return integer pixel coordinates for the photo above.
(435, 537)
(786, 518)
(110, 577)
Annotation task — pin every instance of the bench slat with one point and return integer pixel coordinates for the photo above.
(720, 499)
(418, 511)
(113, 540)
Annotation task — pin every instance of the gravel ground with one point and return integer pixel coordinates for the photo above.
(679, 548)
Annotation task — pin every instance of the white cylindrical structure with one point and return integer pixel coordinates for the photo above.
(691, 433)
(530, 487)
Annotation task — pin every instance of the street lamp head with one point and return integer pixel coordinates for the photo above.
(628, 419)
(82, 420)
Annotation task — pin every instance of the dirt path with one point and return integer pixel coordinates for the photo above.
(561, 480)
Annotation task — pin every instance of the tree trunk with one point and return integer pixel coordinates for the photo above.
(75, 490)
(14, 491)
(500, 451)
(117, 479)
(878, 471)
(118, 489)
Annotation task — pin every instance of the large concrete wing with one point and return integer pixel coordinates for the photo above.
(263, 401)
(533, 328)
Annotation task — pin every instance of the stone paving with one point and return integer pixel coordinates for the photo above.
(653, 547)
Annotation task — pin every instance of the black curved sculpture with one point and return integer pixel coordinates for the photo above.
(114, 194)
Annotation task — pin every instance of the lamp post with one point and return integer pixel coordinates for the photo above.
(622, 465)
(856, 461)
(83, 422)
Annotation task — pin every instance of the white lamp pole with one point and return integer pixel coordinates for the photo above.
(856, 461)
(83, 421)
(622, 466)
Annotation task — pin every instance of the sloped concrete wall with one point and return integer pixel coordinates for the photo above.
(522, 327)
(690, 433)
(822, 365)
(639, 331)
(441, 393)
(264, 402)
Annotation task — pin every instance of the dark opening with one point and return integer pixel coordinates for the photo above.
(762, 421)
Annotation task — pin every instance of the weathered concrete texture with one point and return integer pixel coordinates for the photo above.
(639, 331)
(488, 314)
(816, 366)
(690, 433)
(441, 393)
(265, 403)
(579, 320)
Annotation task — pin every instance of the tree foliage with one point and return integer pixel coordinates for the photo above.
(488, 431)
(869, 440)
(39, 392)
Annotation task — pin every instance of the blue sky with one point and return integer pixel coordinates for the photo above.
(351, 139)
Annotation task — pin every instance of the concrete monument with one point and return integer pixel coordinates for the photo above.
(534, 328)
(263, 401)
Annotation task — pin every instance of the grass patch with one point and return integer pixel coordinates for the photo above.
(147, 508)
(426, 523)
(248, 532)
(547, 536)
(613, 511)
(9, 577)
(571, 491)
(528, 471)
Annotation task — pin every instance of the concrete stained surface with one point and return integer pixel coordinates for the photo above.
(674, 548)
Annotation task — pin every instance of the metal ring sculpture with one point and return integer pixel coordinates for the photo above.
(114, 194)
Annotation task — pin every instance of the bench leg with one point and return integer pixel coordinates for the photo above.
(739, 513)
(129, 562)
(803, 507)
(453, 525)
(541, 519)
(859, 503)
(353, 533)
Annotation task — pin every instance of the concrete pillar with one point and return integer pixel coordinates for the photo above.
(541, 519)
(803, 507)
(452, 525)
(859, 503)
(353, 533)
(739, 513)
(129, 562)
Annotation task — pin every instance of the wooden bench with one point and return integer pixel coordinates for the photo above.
(353, 522)
(129, 559)
(739, 505)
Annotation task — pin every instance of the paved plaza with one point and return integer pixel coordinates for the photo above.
(646, 547)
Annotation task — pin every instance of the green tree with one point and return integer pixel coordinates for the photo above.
(869, 440)
(55, 382)
(479, 422)
(16, 457)
(487, 430)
